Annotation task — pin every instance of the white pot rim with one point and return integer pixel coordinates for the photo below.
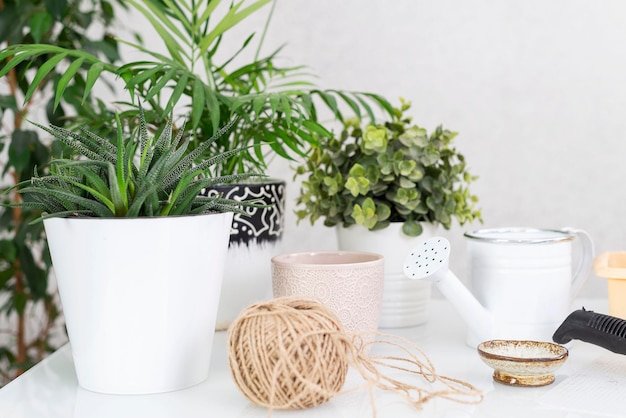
(129, 219)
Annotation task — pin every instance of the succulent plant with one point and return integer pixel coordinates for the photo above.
(137, 175)
(378, 174)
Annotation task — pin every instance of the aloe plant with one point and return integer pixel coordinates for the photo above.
(392, 172)
(276, 106)
(138, 175)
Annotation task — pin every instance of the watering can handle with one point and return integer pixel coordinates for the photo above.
(586, 260)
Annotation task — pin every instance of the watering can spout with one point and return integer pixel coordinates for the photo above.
(477, 318)
(429, 261)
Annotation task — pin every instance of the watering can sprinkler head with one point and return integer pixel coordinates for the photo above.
(429, 260)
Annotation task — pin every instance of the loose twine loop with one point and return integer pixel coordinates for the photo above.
(290, 353)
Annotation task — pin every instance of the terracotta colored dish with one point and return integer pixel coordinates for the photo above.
(522, 363)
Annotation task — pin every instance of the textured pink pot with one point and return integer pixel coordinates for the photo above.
(348, 282)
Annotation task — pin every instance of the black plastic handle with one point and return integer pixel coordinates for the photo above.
(602, 330)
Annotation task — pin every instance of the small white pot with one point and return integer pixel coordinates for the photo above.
(140, 298)
(405, 302)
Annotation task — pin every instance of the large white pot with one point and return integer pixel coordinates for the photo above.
(405, 302)
(140, 298)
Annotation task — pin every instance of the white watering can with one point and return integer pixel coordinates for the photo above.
(522, 280)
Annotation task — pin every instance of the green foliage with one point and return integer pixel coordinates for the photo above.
(275, 106)
(379, 174)
(24, 258)
(138, 175)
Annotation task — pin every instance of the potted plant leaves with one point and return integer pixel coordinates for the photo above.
(138, 254)
(276, 106)
(383, 185)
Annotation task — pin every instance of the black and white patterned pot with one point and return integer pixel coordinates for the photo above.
(254, 239)
(259, 225)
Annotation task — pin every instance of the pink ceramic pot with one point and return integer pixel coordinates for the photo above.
(348, 282)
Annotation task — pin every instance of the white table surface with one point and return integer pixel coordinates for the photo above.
(50, 388)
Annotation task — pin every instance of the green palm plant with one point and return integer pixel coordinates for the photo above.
(137, 175)
(276, 106)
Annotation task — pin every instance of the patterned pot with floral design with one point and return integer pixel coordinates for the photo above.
(254, 239)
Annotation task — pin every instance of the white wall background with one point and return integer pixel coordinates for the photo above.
(535, 88)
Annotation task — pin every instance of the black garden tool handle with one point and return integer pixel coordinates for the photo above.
(602, 330)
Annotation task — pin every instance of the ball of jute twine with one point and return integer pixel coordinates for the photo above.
(293, 353)
(285, 354)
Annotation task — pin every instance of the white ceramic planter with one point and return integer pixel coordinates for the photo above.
(140, 298)
(405, 302)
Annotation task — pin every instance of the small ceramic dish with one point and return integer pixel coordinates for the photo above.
(522, 363)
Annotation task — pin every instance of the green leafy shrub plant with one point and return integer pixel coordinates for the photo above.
(392, 172)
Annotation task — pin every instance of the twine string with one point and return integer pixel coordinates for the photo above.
(412, 361)
(290, 353)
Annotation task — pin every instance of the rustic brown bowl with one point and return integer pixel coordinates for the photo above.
(522, 363)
